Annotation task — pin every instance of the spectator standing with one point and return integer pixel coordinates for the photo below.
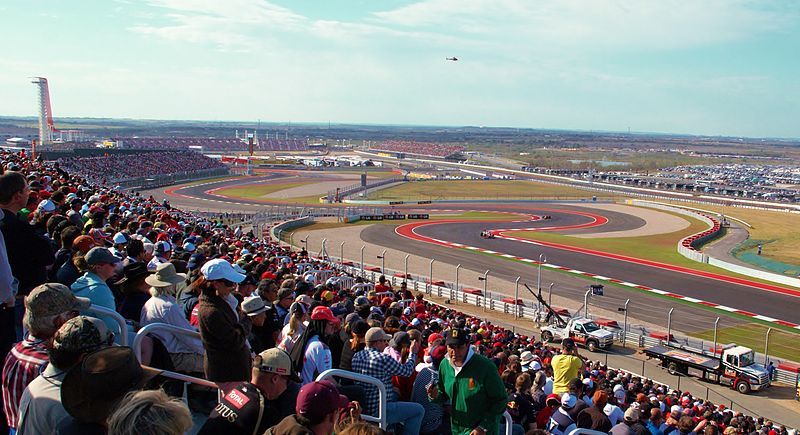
(471, 382)
(150, 412)
(40, 408)
(48, 307)
(593, 417)
(185, 352)
(560, 422)
(29, 253)
(227, 357)
(268, 333)
(244, 409)
(8, 296)
(99, 266)
(566, 366)
(433, 421)
(311, 354)
(282, 304)
(372, 361)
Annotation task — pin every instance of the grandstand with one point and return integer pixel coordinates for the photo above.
(421, 149)
(211, 144)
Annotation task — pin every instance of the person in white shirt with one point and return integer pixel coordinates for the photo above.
(186, 352)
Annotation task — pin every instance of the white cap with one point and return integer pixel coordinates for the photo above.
(536, 365)
(220, 269)
(119, 239)
(189, 247)
(676, 409)
(46, 206)
(588, 382)
(568, 400)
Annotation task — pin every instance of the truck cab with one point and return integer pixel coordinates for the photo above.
(583, 331)
(741, 371)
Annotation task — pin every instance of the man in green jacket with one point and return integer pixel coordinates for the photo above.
(472, 385)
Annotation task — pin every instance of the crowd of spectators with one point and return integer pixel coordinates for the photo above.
(210, 144)
(425, 149)
(114, 167)
(270, 320)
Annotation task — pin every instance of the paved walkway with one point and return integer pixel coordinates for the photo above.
(721, 248)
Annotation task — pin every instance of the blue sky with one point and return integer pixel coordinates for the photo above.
(727, 67)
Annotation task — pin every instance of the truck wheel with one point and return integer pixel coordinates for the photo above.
(592, 345)
(743, 387)
(547, 336)
(674, 369)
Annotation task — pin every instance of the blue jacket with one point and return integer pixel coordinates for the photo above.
(96, 290)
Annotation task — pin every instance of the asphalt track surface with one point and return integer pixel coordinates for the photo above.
(643, 306)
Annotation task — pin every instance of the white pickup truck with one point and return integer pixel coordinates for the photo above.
(583, 331)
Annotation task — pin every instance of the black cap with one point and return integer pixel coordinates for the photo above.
(568, 343)
(457, 337)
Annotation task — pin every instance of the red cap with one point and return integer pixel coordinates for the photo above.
(434, 337)
(323, 313)
(318, 399)
(553, 397)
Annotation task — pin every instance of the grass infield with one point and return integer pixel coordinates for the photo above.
(482, 189)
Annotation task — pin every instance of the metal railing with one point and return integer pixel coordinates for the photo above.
(381, 418)
(153, 327)
(123, 325)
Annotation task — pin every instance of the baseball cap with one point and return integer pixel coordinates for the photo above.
(83, 243)
(220, 269)
(457, 337)
(53, 298)
(323, 313)
(120, 238)
(98, 255)
(376, 334)
(253, 306)
(82, 334)
(275, 361)
(162, 247)
(318, 399)
(568, 343)
(552, 398)
(568, 400)
(632, 414)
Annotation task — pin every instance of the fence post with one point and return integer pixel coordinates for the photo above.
(516, 297)
(430, 277)
(669, 325)
(485, 279)
(405, 268)
(716, 326)
(766, 348)
(586, 303)
(362, 260)
(341, 253)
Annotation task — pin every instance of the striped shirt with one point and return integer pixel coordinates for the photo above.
(373, 363)
(22, 365)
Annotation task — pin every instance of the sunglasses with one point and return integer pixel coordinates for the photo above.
(227, 283)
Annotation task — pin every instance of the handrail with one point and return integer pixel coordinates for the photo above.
(582, 431)
(158, 326)
(123, 326)
(381, 418)
(137, 350)
(509, 423)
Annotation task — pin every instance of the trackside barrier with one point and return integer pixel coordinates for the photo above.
(123, 326)
(381, 418)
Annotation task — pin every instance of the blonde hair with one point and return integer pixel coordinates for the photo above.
(150, 412)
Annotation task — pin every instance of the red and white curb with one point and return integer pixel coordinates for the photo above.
(409, 231)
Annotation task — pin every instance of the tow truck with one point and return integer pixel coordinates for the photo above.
(582, 330)
(735, 366)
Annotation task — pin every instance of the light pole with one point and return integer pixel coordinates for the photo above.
(485, 279)
(542, 259)
(669, 325)
(405, 268)
(550, 295)
(625, 323)
(362, 260)
(716, 325)
(430, 277)
(516, 297)
(383, 261)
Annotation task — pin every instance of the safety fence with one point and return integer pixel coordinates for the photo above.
(152, 182)
(344, 192)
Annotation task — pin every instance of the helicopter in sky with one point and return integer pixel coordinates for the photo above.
(453, 59)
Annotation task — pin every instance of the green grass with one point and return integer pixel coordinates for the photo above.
(481, 189)
(782, 345)
(256, 191)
